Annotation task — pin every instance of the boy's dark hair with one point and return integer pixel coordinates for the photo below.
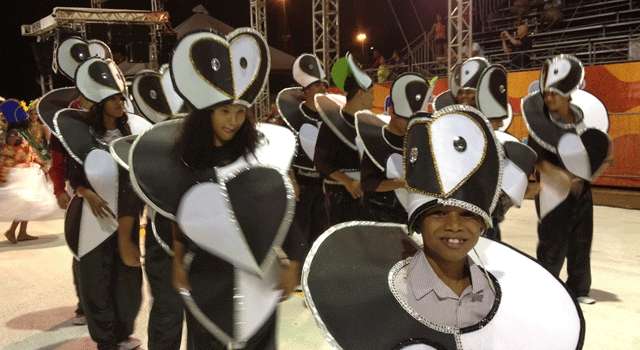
(351, 87)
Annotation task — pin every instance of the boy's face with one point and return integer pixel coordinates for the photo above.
(555, 102)
(466, 97)
(449, 233)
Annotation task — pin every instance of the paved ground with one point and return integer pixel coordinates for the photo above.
(38, 299)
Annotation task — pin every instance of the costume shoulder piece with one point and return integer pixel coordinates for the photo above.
(371, 130)
(491, 95)
(444, 99)
(519, 162)
(78, 137)
(305, 126)
(155, 149)
(155, 96)
(330, 109)
(452, 158)
(52, 102)
(353, 279)
(208, 69)
(581, 148)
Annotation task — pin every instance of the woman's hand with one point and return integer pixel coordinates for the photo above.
(99, 206)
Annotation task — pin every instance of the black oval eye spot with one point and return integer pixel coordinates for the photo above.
(243, 63)
(555, 71)
(460, 144)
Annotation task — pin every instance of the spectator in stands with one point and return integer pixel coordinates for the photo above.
(397, 65)
(439, 34)
(551, 14)
(378, 59)
(477, 50)
(384, 71)
(516, 46)
(520, 8)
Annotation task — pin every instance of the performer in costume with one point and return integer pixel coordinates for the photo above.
(479, 84)
(382, 143)
(102, 226)
(336, 154)
(25, 193)
(156, 99)
(370, 286)
(568, 128)
(297, 108)
(67, 57)
(225, 185)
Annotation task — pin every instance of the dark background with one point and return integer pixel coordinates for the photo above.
(374, 17)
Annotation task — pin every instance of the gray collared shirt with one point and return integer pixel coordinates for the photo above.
(432, 299)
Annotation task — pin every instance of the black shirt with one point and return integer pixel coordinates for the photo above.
(371, 175)
(332, 154)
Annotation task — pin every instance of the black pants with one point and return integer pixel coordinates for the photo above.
(567, 231)
(340, 206)
(309, 222)
(167, 313)
(75, 267)
(384, 207)
(199, 338)
(110, 293)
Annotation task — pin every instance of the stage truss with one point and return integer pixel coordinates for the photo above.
(460, 29)
(326, 31)
(258, 14)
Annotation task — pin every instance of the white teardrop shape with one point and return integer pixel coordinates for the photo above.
(453, 166)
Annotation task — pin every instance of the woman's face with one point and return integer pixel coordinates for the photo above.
(449, 233)
(13, 138)
(226, 121)
(114, 106)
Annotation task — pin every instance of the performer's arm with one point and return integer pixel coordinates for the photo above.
(56, 172)
(180, 278)
(374, 180)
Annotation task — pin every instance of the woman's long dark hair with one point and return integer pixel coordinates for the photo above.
(97, 120)
(195, 143)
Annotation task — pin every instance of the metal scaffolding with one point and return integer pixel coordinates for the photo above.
(258, 13)
(460, 31)
(326, 31)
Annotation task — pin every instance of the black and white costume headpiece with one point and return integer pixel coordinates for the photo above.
(488, 81)
(155, 96)
(209, 69)
(98, 79)
(467, 75)
(74, 51)
(409, 94)
(307, 70)
(562, 74)
(452, 158)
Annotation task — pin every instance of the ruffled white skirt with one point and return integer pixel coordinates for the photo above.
(27, 194)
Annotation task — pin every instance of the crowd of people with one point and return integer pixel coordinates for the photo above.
(388, 223)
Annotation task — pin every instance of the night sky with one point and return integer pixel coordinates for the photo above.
(370, 16)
